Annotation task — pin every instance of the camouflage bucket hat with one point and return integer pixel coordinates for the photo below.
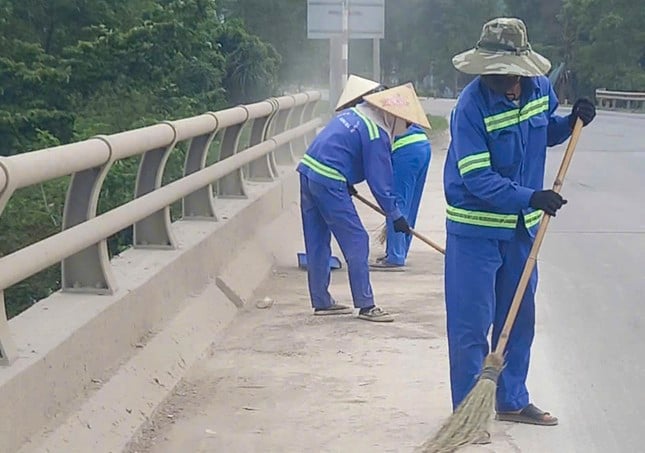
(503, 48)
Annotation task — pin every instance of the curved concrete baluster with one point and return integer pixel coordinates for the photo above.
(154, 231)
(232, 185)
(89, 270)
(199, 205)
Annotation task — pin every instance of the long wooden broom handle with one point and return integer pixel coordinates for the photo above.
(419, 236)
(530, 262)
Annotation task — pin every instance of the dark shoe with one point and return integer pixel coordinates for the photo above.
(530, 415)
(335, 309)
(375, 314)
(386, 266)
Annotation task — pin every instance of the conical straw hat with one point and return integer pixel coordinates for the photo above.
(402, 102)
(355, 88)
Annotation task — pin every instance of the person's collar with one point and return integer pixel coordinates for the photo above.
(383, 120)
(530, 85)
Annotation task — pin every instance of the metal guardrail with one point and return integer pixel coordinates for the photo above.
(279, 127)
(620, 99)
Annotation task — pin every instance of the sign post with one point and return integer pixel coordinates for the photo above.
(342, 20)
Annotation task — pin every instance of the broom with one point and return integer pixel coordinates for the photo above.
(419, 236)
(474, 413)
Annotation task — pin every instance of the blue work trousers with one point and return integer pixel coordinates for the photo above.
(326, 210)
(410, 171)
(481, 276)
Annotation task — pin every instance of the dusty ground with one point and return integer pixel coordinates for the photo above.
(282, 380)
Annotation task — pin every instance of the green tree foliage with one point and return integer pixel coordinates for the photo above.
(422, 36)
(70, 69)
(283, 23)
(606, 43)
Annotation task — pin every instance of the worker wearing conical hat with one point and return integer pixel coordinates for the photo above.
(355, 88)
(354, 146)
(411, 153)
(500, 129)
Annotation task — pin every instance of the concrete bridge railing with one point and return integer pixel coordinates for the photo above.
(278, 127)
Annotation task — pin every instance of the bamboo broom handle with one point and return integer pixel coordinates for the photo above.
(530, 262)
(419, 236)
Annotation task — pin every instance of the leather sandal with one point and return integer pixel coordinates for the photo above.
(530, 415)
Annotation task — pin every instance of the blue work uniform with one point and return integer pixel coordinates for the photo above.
(496, 160)
(411, 154)
(350, 149)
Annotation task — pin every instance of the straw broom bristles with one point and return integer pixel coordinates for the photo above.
(473, 415)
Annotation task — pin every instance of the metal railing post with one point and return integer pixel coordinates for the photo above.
(308, 115)
(8, 351)
(283, 156)
(199, 205)
(89, 270)
(262, 169)
(154, 231)
(232, 185)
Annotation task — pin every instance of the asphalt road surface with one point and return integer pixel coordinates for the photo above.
(588, 364)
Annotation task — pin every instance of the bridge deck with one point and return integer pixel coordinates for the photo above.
(283, 380)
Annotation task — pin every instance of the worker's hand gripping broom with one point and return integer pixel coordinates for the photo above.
(419, 236)
(473, 415)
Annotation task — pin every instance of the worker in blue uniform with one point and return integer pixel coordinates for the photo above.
(411, 154)
(354, 146)
(501, 127)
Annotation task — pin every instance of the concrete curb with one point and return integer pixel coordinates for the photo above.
(94, 368)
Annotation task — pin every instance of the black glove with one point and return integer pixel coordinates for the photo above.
(352, 190)
(583, 109)
(547, 200)
(401, 225)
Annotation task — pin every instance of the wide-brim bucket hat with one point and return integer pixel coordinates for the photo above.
(401, 101)
(355, 88)
(503, 48)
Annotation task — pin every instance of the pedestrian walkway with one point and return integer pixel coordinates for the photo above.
(281, 380)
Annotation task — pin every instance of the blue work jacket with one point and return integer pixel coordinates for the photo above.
(413, 138)
(350, 149)
(496, 158)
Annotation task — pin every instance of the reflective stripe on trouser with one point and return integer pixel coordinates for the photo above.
(410, 172)
(326, 210)
(481, 276)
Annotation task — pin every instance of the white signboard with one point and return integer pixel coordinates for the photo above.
(366, 19)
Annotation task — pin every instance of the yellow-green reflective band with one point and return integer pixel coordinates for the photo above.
(407, 140)
(473, 162)
(501, 120)
(322, 169)
(515, 116)
(534, 107)
(372, 128)
(479, 218)
(532, 219)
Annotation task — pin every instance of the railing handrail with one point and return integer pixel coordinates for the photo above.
(20, 264)
(626, 95)
(36, 167)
